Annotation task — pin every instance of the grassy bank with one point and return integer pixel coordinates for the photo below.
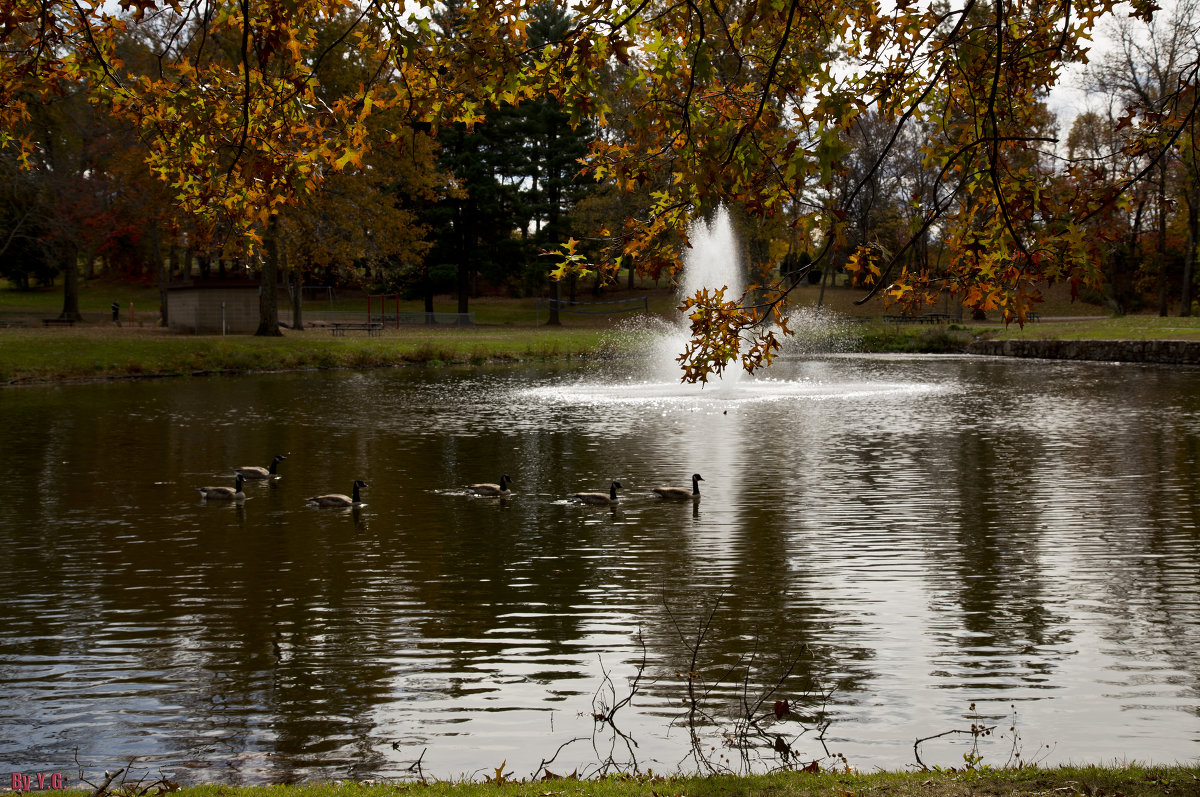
(1130, 327)
(1116, 781)
(38, 355)
(34, 355)
(508, 330)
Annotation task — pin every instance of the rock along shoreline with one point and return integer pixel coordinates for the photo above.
(1170, 352)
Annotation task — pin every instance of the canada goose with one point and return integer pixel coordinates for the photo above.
(599, 498)
(255, 472)
(681, 492)
(337, 499)
(233, 493)
(493, 490)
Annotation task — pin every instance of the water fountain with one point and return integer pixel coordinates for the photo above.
(713, 261)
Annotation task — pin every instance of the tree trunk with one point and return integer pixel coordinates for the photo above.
(162, 271)
(1189, 259)
(427, 295)
(268, 291)
(463, 281)
(1162, 240)
(70, 270)
(464, 287)
(821, 293)
(554, 321)
(297, 294)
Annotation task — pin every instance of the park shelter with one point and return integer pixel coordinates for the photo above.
(213, 307)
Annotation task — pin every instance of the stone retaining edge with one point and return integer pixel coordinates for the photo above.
(1184, 352)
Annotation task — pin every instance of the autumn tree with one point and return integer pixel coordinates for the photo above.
(230, 112)
(61, 198)
(1094, 152)
(1152, 74)
(362, 219)
(745, 101)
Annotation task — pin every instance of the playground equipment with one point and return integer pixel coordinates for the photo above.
(397, 318)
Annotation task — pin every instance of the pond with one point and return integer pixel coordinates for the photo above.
(895, 546)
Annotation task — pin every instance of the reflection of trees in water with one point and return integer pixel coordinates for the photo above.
(992, 562)
(270, 627)
(1143, 547)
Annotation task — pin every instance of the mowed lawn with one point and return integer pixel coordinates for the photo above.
(506, 329)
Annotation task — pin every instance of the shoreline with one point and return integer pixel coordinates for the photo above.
(1020, 779)
(84, 356)
(1161, 352)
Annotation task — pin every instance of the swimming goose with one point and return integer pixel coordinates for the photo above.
(255, 472)
(493, 490)
(599, 498)
(233, 493)
(337, 499)
(681, 492)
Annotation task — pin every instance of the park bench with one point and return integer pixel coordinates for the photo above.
(925, 318)
(339, 328)
(58, 322)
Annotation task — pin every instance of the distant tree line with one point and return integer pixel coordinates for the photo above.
(473, 202)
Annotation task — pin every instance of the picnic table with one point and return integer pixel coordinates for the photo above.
(339, 328)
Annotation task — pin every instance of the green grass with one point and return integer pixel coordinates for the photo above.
(507, 330)
(1130, 327)
(38, 355)
(96, 297)
(33, 354)
(1126, 780)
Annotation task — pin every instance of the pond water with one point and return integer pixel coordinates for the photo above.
(882, 542)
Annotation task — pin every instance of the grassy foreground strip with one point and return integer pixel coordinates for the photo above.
(36, 355)
(1117, 781)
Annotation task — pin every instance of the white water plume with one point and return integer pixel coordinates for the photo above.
(713, 262)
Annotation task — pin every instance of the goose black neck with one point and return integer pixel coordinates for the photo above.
(356, 492)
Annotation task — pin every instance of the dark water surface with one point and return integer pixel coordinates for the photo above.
(939, 532)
